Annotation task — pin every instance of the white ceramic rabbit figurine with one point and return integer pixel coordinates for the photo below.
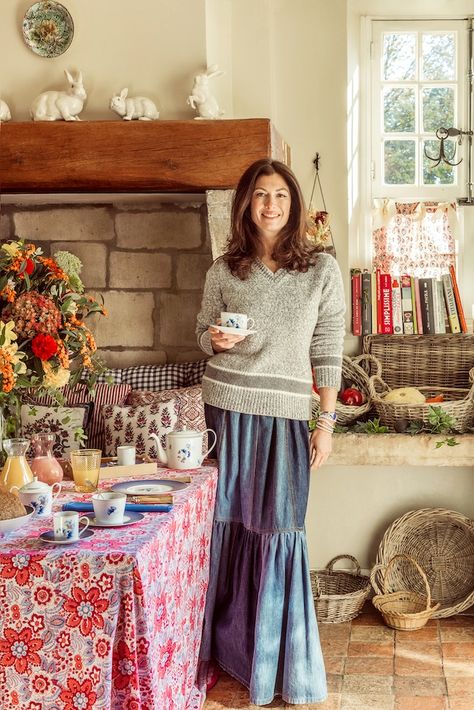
(135, 107)
(60, 105)
(201, 98)
(5, 114)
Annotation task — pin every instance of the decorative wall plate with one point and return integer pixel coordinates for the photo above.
(48, 28)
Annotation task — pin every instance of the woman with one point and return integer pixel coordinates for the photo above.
(260, 624)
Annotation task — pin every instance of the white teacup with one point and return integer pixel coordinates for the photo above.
(236, 320)
(109, 507)
(66, 525)
(126, 455)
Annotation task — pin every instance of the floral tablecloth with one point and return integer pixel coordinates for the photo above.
(114, 621)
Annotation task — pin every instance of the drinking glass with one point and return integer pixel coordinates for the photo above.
(85, 469)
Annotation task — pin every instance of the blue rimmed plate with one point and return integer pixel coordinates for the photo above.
(129, 517)
(48, 28)
(149, 487)
(48, 536)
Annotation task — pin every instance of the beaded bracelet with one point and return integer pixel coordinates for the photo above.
(322, 427)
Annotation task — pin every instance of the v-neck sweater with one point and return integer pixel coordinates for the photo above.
(299, 324)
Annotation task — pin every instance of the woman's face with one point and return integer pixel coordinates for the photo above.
(270, 204)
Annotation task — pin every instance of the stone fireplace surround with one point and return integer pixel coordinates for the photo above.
(132, 201)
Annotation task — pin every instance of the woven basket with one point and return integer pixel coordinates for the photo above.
(423, 360)
(459, 403)
(339, 595)
(442, 542)
(353, 373)
(402, 610)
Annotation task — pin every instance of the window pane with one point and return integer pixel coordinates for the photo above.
(399, 56)
(438, 108)
(399, 162)
(441, 174)
(439, 56)
(399, 110)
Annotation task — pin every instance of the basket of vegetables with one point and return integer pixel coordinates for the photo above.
(399, 407)
(354, 397)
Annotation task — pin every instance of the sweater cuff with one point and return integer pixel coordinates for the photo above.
(205, 343)
(328, 376)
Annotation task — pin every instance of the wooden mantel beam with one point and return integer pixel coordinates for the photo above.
(132, 156)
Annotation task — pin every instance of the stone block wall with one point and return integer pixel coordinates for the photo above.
(148, 261)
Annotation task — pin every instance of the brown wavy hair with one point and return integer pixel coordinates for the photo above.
(293, 250)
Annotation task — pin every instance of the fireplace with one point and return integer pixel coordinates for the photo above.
(144, 206)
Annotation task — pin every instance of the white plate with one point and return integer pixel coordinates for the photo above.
(129, 518)
(48, 536)
(233, 331)
(148, 487)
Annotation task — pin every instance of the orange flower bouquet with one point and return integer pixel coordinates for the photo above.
(44, 341)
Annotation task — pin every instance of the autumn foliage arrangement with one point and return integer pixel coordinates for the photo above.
(44, 341)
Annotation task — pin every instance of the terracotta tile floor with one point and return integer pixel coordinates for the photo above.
(372, 667)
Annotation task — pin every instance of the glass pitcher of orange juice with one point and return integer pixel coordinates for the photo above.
(16, 471)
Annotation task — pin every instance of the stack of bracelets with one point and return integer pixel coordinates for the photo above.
(326, 421)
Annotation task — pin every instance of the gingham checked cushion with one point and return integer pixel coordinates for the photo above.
(164, 377)
(133, 425)
(191, 407)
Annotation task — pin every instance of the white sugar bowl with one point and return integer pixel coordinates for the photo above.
(39, 495)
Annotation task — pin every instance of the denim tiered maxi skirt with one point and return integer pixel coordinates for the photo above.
(260, 624)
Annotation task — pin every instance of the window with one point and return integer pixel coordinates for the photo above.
(418, 77)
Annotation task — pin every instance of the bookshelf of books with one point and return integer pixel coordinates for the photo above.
(406, 305)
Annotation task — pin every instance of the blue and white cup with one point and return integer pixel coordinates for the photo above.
(236, 320)
(66, 525)
(109, 507)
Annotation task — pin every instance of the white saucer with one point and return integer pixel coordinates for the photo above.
(129, 518)
(48, 536)
(233, 331)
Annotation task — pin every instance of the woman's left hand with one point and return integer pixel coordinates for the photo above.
(320, 446)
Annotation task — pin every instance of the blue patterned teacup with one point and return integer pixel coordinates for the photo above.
(109, 507)
(66, 525)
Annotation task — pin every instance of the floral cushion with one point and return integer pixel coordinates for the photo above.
(62, 421)
(191, 407)
(133, 425)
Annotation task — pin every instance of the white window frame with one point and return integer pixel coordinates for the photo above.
(360, 229)
(378, 189)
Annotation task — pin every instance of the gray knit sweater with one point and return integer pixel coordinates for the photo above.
(299, 319)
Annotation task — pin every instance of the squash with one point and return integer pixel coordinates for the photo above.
(405, 395)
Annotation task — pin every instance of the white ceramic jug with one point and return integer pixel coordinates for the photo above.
(183, 448)
(39, 495)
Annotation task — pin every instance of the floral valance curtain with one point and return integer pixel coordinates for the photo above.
(416, 238)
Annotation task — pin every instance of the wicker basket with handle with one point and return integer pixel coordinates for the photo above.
(442, 360)
(458, 403)
(353, 374)
(402, 610)
(442, 542)
(339, 595)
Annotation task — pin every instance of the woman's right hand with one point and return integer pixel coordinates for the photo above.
(223, 341)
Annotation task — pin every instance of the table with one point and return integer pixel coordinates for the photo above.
(114, 621)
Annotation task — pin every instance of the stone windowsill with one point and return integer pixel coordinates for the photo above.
(400, 450)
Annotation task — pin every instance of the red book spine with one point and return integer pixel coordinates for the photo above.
(386, 301)
(356, 304)
(457, 298)
(379, 301)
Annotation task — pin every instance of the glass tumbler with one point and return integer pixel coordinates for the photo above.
(85, 469)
